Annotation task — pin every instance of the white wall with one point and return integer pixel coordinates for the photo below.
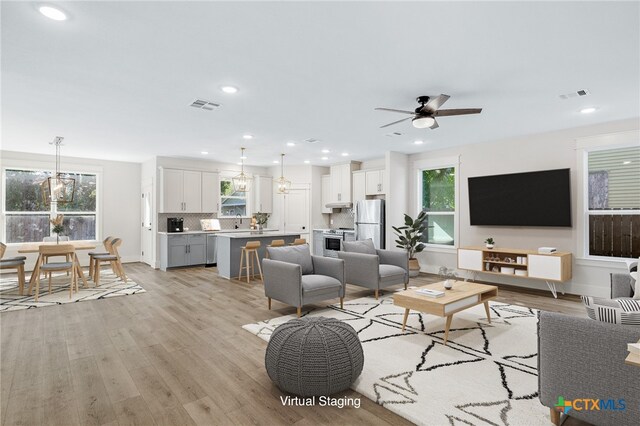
(537, 152)
(397, 199)
(118, 203)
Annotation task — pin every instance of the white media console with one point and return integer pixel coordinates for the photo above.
(552, 268)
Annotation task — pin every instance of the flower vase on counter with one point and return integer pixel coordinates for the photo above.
(261, 219)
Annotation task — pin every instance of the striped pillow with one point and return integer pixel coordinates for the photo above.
(624, 311)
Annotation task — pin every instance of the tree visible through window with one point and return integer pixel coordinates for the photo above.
(232, 203)
(27, 216)
(439, 202)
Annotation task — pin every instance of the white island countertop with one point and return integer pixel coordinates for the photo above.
(224, 231)
(255, 234)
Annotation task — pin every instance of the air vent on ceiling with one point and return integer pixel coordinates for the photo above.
(393, 134)
(311, 140)
(576, 94)
(202, 104)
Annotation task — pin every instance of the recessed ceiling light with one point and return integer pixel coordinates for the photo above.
(291, 144)
(418, 142)
(626, 162)
(247, 136)
(588, 110)
(325, 151)
(244, 157)
(229, 89)
(53, 13)
(275, 162)
(345, 154)
(307, 161)
(325, 158)
(204, 152)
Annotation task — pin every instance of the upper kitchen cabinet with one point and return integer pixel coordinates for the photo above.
(340, 195)
(375, 182)
(210, 192)
(326, 193)
(263, 191)
(359, 186)
(181, 191)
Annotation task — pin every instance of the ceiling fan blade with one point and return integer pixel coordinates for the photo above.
(395, 110)
(396, 122)
(461, 111)
(435, 124)
(436, 103)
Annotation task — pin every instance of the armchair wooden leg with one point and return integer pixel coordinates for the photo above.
(405, 286)
(341, 302)
(555, 416)
(299, 311)
(377, 294)
(269, 302)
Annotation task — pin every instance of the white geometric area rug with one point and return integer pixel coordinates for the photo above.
(487, 375)
(110, 286)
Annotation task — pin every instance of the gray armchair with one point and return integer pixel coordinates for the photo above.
(584, 358)
(295, 277)
(371, 268)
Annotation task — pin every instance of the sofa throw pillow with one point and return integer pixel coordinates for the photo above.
(299, 254)
(363, 246)
(624, 311)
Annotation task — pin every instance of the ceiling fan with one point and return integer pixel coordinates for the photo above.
(425, 115)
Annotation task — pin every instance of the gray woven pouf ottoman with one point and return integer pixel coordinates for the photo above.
(314, 356)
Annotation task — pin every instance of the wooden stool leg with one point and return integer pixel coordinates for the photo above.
(90, 267)
(37, 286)
(241, 259)
(68, 260)
(269, 302)
(121, 268)
(247, 258)
(376, 294)
(259, 267)
(97, 274)
(341, 302)
(21, 279)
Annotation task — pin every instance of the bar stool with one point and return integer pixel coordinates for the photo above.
(251, 248)
(298, 242)
(275, 243)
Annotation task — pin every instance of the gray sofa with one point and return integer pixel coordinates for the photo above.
(295, 277)
(376, 269)
(584, 358)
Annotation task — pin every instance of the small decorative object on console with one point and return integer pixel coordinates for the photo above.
(489, 242)
(547, 250)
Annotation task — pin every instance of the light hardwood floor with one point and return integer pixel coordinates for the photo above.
(174, 355)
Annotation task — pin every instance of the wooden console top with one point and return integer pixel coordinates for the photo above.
(515, 251)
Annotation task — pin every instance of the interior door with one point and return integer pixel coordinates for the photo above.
(296, 212)
(147, 230)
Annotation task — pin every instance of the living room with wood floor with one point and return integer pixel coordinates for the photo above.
(336, 213)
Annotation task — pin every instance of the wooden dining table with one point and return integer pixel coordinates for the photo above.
(35, 248)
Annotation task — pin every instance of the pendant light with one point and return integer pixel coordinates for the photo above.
(58, 189)
(283, 184)
(242, 182)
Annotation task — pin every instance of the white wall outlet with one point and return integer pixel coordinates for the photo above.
(331, 221)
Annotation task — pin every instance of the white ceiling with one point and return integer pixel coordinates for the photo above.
(116, 78)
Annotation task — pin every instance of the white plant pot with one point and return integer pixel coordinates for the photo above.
(489, 246)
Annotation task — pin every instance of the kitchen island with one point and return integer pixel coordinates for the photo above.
(229, 248)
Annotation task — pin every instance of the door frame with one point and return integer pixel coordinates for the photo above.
(150, 256)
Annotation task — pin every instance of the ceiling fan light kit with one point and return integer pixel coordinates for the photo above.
(425, 115)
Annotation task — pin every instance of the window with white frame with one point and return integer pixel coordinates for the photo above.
(612, 202)
(232, 202)
(437, 198)
(27, 215)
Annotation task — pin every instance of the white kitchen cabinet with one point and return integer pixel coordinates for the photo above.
(263, 194)
(341, 182)
(210, 192)
(192, 193)
(375, 182)
(326, 193)
(359, 186)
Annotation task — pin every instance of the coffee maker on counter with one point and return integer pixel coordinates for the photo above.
(175, 224)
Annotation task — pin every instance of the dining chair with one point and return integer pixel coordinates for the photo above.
(51, 239)
(16, 263)
(113, 258)
(107, 246)
(48, 251)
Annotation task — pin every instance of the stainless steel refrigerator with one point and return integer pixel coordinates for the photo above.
(369, 221)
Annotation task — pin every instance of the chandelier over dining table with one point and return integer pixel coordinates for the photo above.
(59, 188)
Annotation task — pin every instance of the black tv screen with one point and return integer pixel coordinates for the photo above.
(541, 198)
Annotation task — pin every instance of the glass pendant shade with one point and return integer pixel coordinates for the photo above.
(283, 185)
(59, 188)
(242, 182)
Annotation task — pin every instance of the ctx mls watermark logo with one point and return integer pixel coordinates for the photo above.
(589, 404)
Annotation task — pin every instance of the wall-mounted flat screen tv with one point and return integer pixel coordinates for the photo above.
(541, 198)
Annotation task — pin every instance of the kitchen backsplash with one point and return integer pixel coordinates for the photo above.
(344, 219)
(192, 221)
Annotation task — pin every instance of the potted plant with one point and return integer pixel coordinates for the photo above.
(57, 226)
(409, 239)
(489, 243)
(261, 220)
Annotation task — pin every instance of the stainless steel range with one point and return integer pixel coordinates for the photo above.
(333, 237)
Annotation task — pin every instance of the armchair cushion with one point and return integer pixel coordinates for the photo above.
(299, 255)
(622, 286)
(391, 274)
(364, 246)
(624, 311)
(314, 285)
